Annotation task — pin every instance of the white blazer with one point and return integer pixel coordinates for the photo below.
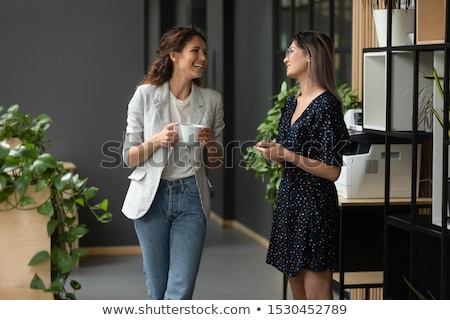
(148, 113)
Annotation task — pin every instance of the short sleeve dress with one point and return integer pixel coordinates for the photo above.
(304, 229)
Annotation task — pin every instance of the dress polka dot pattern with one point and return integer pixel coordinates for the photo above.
(304, 230)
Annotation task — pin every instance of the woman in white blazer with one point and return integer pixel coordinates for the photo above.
(168, 197)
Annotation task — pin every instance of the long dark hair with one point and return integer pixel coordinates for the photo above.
(173, 40)
(320, 48)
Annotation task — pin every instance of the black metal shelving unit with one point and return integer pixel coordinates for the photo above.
(415, 249)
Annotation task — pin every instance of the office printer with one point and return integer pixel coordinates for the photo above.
(363, 170)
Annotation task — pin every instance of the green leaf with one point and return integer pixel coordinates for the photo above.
(51, 226)
(90, 192)
(69, 202)
(21, 184)
(10, 165)
(37, 283)
(26, 200)
(39, 166)
(70, 296)
(105, 217)
(4, 149)
(58, 255)
(414, 289)
(66, 265)
(38, 258)
(80, 202)
(79, 252)
(61, 181)
(77, 232)
(75, 285)
(41, 185)
(46, 209)
(70, 221)
(103, 205)
(3, 182)
(56, 287)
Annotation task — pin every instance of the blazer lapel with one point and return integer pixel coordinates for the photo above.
(161, 103)
(161, 100)
(199, 106)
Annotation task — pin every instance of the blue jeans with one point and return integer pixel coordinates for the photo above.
(171, 235)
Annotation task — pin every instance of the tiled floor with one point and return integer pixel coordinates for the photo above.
(233, 268)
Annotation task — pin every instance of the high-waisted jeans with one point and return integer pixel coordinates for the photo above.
(171, 235)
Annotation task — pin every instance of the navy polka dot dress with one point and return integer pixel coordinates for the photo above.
(304, 227)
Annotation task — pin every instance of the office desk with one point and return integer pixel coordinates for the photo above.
(361, 241)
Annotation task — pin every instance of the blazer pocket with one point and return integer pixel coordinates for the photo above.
(137, 174)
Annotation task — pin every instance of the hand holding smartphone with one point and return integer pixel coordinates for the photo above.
(266, 138)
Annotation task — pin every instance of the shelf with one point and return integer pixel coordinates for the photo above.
(375, 81)
(420, 263)
(416, 238)
(438, 146)
(422, 225)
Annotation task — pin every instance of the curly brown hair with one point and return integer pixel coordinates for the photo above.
(173, 40)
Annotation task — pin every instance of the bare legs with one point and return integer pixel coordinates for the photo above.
(310, 285)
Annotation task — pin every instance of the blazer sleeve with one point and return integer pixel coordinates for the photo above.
(134, 134)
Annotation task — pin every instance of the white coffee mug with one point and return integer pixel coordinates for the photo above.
(188, 132)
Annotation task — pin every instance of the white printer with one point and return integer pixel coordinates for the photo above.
(363, 170)
(353, 119)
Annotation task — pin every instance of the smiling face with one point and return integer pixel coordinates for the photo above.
(296, 61)
(191, 61)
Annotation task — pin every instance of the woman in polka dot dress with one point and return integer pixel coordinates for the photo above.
(311, 133)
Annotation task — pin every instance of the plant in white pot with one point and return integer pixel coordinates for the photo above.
(403, 15)
(26, 170)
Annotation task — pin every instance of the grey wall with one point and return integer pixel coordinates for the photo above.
(153, 30)
(253, 89)
(77, 61)
(214, 78)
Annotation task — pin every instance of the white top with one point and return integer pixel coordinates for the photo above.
(178, 165)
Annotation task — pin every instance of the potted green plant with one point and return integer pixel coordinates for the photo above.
(25, 169)
(349, 96)
(268, 130)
